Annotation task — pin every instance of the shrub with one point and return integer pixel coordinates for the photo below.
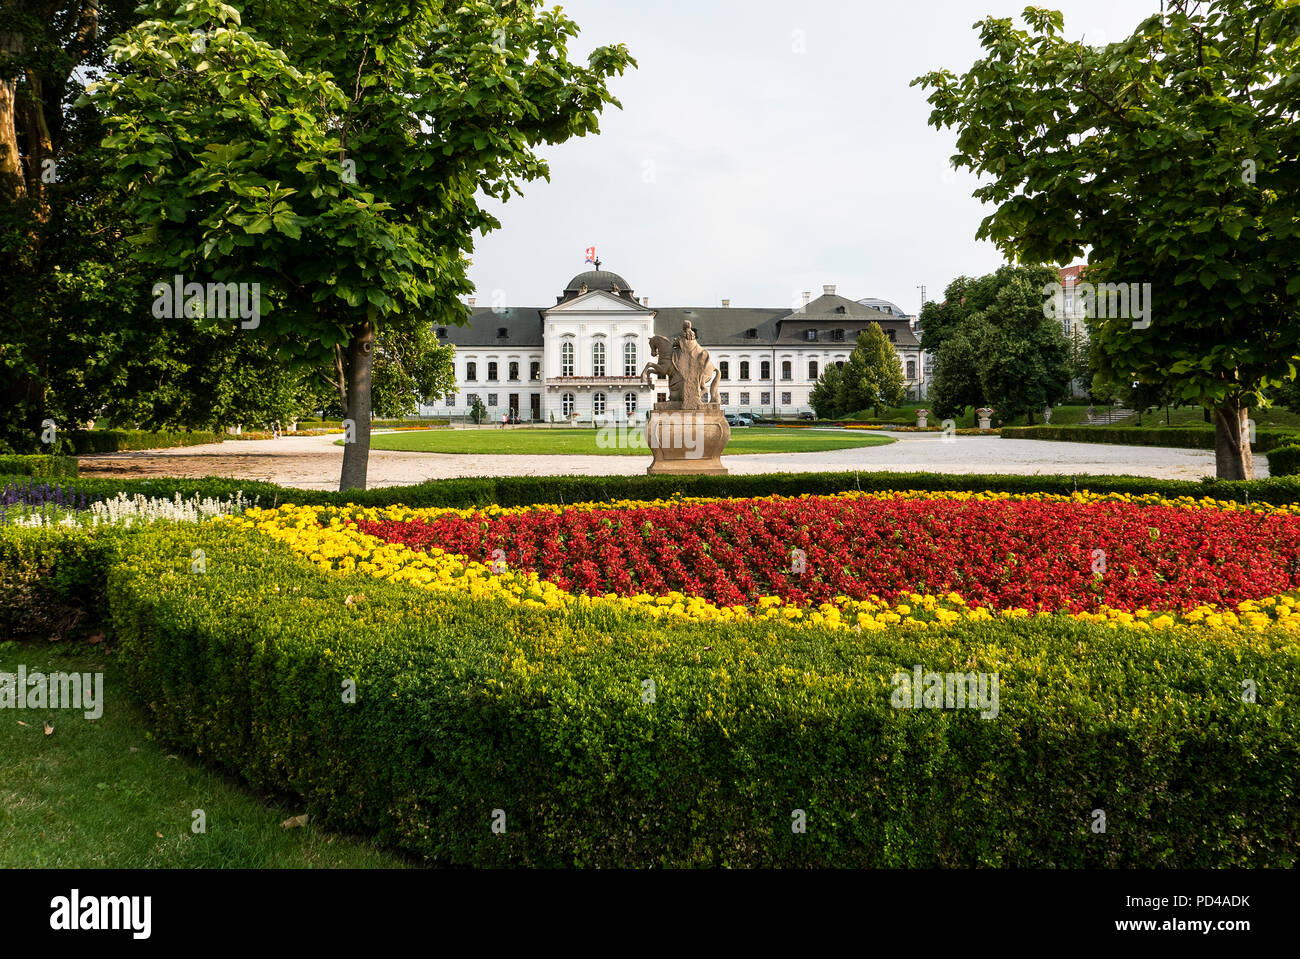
(115, 441)
(38, 465)
(464, 707)
(1180, 437)
(1284, 460)
(52, 579)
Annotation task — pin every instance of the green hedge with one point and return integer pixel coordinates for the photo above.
(52, 579)
(1284, 461)
(378, 424)
(464, 707)
(527, 490)
(41, 466)
(115, 441)
(1178, 437)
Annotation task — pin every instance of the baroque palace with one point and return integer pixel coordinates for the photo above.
(581, 359)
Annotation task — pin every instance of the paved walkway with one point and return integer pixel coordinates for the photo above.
(313, 462)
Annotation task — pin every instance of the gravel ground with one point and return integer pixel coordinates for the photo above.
(312, 462)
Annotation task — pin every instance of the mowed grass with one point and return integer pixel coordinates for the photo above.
(102, 794)
(523, 440)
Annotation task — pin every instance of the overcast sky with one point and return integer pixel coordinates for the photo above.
(765, 147)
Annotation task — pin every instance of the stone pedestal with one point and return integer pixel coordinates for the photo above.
(687, 441)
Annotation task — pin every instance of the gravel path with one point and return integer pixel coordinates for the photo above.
(312, 462)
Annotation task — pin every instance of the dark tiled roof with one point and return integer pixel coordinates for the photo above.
(523, 328)
(597, 280)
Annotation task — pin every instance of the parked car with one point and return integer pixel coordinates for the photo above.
(749, 419)
(808, 415)
(736, 419)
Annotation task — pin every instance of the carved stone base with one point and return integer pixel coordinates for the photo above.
(687, 441)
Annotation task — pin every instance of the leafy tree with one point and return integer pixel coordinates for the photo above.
(824, 396)
(1171, 156)
(334, 154)
(478, 412)
(410, 368)
(956, 383)
(1022, 355)
(872, 377)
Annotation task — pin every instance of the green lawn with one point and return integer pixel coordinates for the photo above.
(101, 793)
(521, 439)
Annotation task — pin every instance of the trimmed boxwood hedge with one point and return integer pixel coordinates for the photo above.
(1171, 436)
(115, 441)
(527, 490)
(42, 466)
(1284, 461)
(52, 579)
(464, 707)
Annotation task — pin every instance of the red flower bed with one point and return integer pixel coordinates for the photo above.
(1003, 554)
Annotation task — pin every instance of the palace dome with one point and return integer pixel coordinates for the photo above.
(598, 280)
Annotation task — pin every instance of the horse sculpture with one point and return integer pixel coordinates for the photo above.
(687, 366)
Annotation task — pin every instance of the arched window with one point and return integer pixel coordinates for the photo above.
(765, 370)
(812, 369)
(724, 370)
(566, 361)
(598, 358)
(492, 371)
(598, 404)
(514, 371)
(471, 371)
(629, 403)
(629, 358)
(566, 399)
(911, 369)
(787, 372)
(744, 369)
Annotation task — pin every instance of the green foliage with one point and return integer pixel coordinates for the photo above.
(956, 383)
(43, 467)
(873, 375)
(114, 441)
(825, 395)
(464, 707)
(478, 412)
(1173, 157)
(1284, 460)
(528, 490)
(52, 579)
(1178, 437)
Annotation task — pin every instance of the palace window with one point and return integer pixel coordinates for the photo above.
(567, 403)
(451, 399)
(911, 369)
(514, 372)
(629, 358)
(787, 370)
(744, 369)
(534, 371)
(812, 369)
(751, 334)
(442, 332)
(724, 370)
(810, 336)
(502, 332)
(766, 400)
(724, 399)
(566, 360)
(744, 399)
(765, 370)
(598, 404)
(471, 371)
(890, 333)
(837, 335)
(598, 358)
(492, 399)
(785, 399)
(492, 371)
(629, 403)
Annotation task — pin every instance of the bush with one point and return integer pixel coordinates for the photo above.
(464, 707)
(115, 441)
(1179, 437)
(52, 579)
(1284, 461)
(38, 465)
(528, 490)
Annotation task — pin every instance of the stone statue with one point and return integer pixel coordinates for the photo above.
(687, 366)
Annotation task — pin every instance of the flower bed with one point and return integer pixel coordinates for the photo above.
(851, 560)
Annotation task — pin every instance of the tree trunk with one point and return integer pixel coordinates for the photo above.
(1233, 459)
(360, 357)
(12, 180)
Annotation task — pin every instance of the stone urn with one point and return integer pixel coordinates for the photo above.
(986, 415)
(687, 441)
(920, 418)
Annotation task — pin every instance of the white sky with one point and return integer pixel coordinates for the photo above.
(741, 168)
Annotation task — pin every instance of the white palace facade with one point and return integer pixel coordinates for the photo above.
(581, 358)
